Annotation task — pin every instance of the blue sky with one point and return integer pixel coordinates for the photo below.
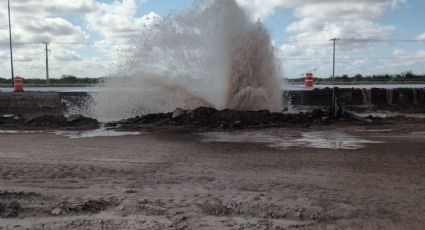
(406, 18)
(163, 7)
(84, 36)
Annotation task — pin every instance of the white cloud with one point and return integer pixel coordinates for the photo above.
(36, 21)
(314, 18)
(43, 20)
(406, 60)
(88, 67)
(264, 8)
(325, 19)
(61, 54)
(54, 7)
(318, 21)
(48, 29)
(403, 53)
(118, 19)
(421, 37)
(117, 23)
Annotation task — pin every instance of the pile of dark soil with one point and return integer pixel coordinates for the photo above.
(200, 119)
(210, 119)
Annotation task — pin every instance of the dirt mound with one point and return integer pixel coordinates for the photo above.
(210, 118)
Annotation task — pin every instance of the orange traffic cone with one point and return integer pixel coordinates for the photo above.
(19, 84)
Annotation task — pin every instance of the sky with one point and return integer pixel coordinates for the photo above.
(85, 36)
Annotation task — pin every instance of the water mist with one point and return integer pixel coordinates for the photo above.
(210, 55)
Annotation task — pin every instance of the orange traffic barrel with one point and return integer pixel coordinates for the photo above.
(309, 80)
(19, 84)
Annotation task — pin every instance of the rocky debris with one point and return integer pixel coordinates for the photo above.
(10, 209)
(268, 211)
(46, 121)
(56, 212)
(143, 120)
(318, 113)
(210, 118)
(56, 121)
(152, 208)
(88, 206)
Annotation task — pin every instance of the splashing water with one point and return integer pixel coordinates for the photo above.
(253, 84)
(210, 55)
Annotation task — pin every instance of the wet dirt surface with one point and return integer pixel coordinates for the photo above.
(181, 181)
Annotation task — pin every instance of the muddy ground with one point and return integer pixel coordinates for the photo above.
(168, 180)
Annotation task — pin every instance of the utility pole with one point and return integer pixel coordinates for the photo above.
(47, 62)
(334, 103)
(334, 48)
(10, 44)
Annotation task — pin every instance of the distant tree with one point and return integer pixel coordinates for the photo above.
(69, 79)
(408, 75)
(358, 76)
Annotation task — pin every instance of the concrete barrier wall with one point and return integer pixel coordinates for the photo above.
(31, 104)
(375, 96)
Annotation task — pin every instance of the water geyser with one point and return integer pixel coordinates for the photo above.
(210, 55)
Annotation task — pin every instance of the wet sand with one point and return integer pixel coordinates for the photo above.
(189, 181)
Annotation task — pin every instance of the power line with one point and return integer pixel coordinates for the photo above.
(316, 41)
(357, 40)
(353, 58)
(68, 43)
(383, 40)
(361, 68)
(16, 60)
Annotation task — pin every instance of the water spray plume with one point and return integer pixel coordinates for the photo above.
(210, 55)
(253, 83)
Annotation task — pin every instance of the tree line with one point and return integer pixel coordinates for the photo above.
(406, 77)
(64, 79)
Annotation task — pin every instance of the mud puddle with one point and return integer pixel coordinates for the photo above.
(16, 131)
(386, 114)
(101, 132)
(317, 139)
